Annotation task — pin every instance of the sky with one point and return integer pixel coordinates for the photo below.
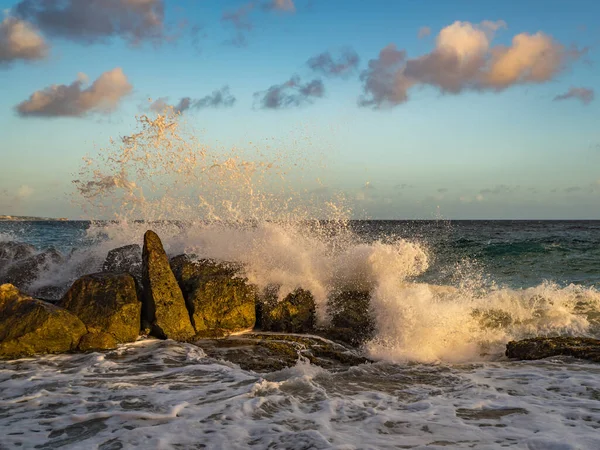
(420, 109)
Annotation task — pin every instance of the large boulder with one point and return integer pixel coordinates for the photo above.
(11, 252)
(216, 298)
(163, 307)
(124, 259)
(29, 326)
(351, 319)
(26, 271)
(293, 314)
(106, 303)
(545, 347)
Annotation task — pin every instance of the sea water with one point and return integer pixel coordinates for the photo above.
(439, 380)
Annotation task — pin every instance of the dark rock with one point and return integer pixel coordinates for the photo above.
(11, 252)
(351, 319)
(270, 352)
(545, 347)
(97, 341)
(163, 306)
(107, 303)
(294, 314)
(124, 259)
(29, 326)
(26, 271)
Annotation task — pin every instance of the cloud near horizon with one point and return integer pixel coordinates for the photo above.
(217, 99)
(290, 94)
(341, 66)
(585, 95)
(103, 96)
(89, 21)
(19, 40)
(464, 59)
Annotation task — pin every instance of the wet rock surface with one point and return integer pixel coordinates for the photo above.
(216, 297)
(22, 273)
(294, 314)
(545, 347)
(125, 259)
(267, 352)
(163, 307)
(11, 252)
(107, 303)
(351, 319)
(29, 326)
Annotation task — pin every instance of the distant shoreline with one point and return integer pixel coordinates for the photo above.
(31, 219)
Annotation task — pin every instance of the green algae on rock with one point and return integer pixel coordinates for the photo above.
(163, 306)
(294, 314)
(29, 326)
(351, 318)
(108, 303)
(97, 341)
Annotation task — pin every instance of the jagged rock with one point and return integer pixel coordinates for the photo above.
(270, 352)
(25, 271)
(124, 259)
(163, 306)
(97, 341)
(11, 252)
(29, 326)
(188, 270)
(545, 347)
(351, 320)
(294, 314)
(218, 300)
(108, 303)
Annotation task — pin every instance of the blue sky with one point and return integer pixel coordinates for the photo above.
(494, 144)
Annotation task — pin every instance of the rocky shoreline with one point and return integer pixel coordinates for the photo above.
(141, 292)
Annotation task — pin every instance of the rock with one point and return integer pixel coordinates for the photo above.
(545, 347)
(11, 252)
(218, 300)
(351, 320)
(24, 272)
(125, 259)
(107, 303)
(188, 270)
(270, 352)
(222, 302)
(294, 314)
(163, 306)
(29, 326)
(97, 341)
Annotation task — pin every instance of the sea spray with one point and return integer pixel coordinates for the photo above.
(238, 205)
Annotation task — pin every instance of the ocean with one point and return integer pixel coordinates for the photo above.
(439, 377)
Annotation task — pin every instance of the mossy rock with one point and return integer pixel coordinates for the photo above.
(97, 341)
(351, 318)
(29, 326)
(293, 314)
(189, 270)
(222, 303)
(545, 347)
(163, 306)
(107, 303)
